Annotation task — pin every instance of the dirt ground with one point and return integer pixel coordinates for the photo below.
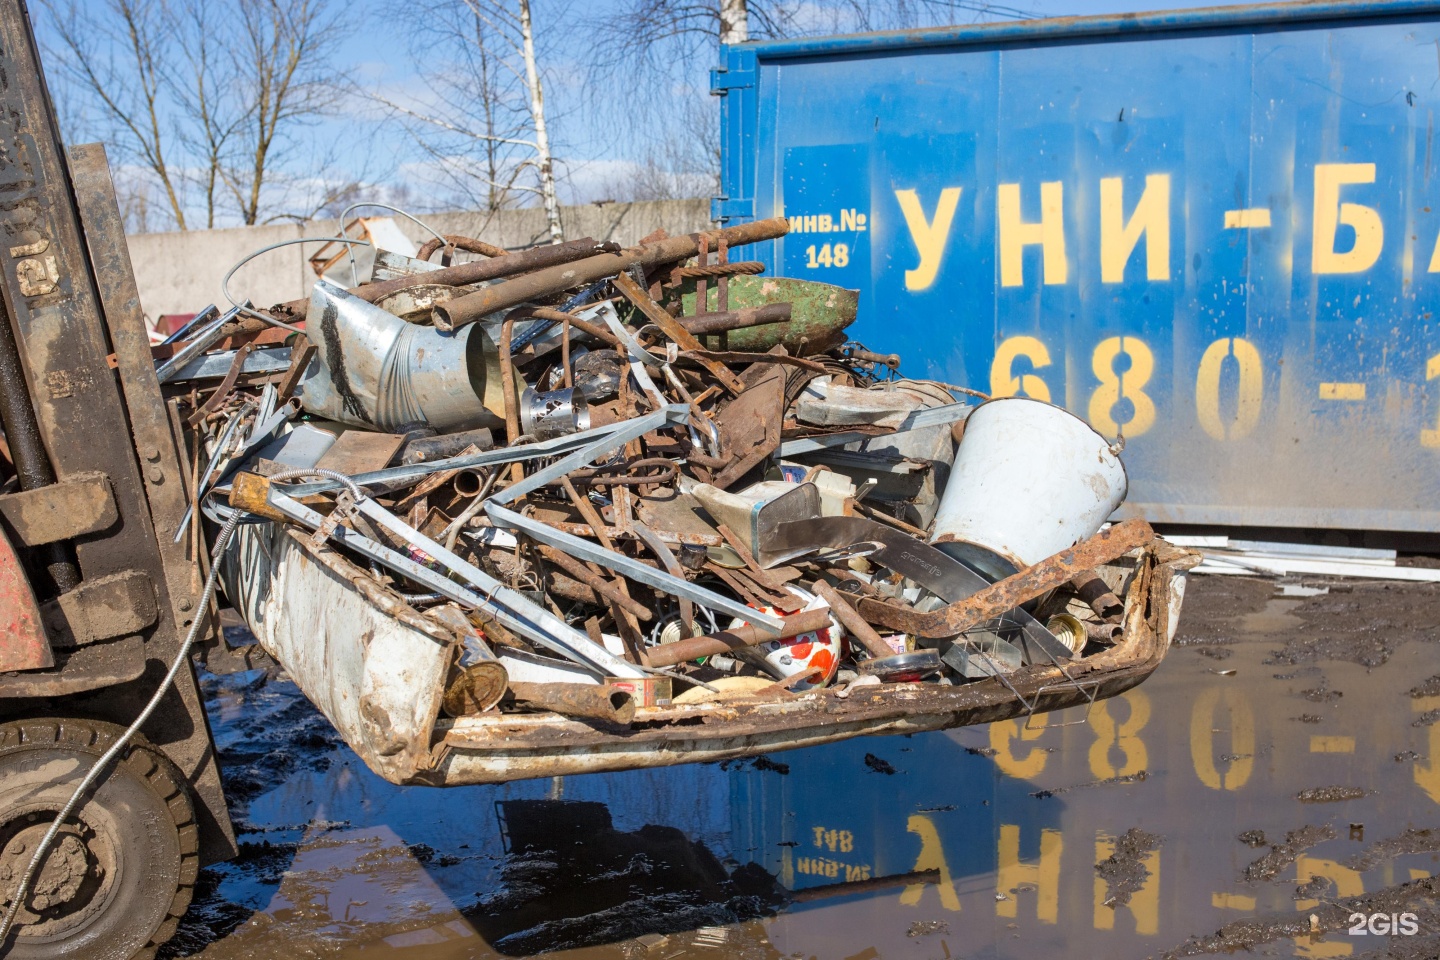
(1274, 788)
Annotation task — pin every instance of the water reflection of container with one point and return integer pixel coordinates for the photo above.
(1029, 480)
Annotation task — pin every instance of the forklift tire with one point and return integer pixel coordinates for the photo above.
(121, 872)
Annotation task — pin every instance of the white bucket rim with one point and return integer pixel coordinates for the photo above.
(1070, 413)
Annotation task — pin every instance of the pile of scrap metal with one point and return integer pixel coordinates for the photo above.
(581, 508)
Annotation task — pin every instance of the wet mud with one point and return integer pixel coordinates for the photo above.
(1275, 779)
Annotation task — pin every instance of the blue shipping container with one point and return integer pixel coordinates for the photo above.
(1217, 231)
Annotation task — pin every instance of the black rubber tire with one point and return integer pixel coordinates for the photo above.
(139, 822)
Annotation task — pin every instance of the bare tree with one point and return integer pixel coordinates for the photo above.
(482, 118)
(205, 100)
(291, 81)
(115, 52)
(661, 43)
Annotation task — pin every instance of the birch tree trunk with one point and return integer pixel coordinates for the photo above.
(542, 140)
(734, 21)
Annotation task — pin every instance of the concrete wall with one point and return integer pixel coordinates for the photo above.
(180, 272)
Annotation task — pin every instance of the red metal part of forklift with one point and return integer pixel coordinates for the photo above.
(95, 594)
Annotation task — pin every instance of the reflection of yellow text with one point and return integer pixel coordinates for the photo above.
(1232, 901)
(1119, 236)
(928, 234)
(832, 869)
(836, 841)
(1016, 234)
(1144, 904)
(1323, 744)
(1003, 735)
(1346, 883)
(1427, 772)
(1044, 876)
(1248, 393)
(932, 857)
(1003, 383)
(1124, 737)
(1330, 213)
(1204, 724)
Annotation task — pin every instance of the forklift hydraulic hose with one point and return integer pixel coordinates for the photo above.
(109, 756)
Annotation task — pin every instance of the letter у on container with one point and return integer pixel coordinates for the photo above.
(1214, 231)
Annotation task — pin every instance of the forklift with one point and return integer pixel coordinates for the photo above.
(96, 594)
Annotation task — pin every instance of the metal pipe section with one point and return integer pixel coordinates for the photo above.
(459, 275)
(736, 319)
(852, 621)
(27, 450)
(456, 313)
(735, 638)
(583, 700)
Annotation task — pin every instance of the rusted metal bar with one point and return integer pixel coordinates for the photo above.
(551, 255)
(745, 635)
(1097, 594)
(671, 327)
(471, 307)
(891, 360)
(737, 356)
(736, 319)
(584, 326)
(852, 621)
(468, 244)
(587, 701)
(32, 463)
(595, 581)
(1014, 590)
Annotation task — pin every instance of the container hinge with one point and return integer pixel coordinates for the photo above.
(726, 208)
(723, 81)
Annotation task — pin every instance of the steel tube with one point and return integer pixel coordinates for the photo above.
(467, 309)
(27, 450)
(584, 700)
(726, 641)
(460, 275)
(852, 621)
(736, 319)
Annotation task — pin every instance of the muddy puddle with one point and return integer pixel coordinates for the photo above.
(1276, 779)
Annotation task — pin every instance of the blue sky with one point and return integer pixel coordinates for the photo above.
(598, 153)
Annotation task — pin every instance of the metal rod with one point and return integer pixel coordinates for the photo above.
(736, 638)
(27, 450)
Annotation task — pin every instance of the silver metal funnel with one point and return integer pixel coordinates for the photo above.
(373, 369)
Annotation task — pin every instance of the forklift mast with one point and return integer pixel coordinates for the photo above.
(95, 595)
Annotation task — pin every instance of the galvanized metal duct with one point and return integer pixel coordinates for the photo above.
(373, 369)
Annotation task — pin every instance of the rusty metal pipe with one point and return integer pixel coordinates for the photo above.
(1098, 595)
(736, 319)
(560, 316)
(27, 451)
(726, 641)
(456, 313)
(1007, 594)
(594, 581)
(462, 274)
(587, 701)
(468, 244)
(852, 621)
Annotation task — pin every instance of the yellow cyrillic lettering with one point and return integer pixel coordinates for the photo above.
(1016, 234)
(1118, 237)
(932, 857)
(929, 236)
(1330, 213)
